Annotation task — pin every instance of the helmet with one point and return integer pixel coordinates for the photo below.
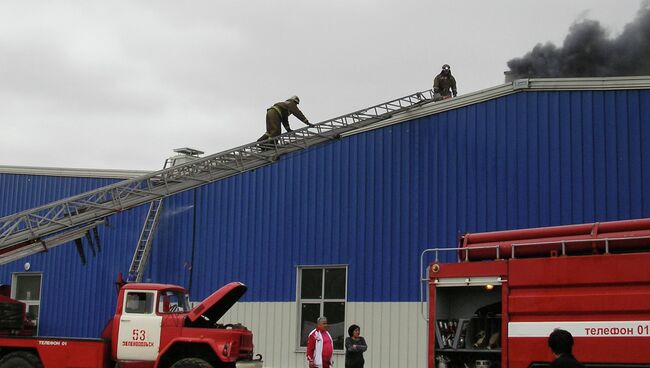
(295, 99)
(446, 67)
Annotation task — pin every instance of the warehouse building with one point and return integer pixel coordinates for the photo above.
(338, 228)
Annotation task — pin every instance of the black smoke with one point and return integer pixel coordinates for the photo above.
(587, 51)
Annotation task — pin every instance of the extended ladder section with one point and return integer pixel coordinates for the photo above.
(143, 248)
(43, 227)
(145, 241)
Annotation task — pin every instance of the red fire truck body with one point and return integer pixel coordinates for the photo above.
(153, 326)
(497, 306)
(13, 319)
(55, 352)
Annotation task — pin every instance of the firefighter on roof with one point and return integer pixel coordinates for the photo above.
(444, 84)
(279, 113)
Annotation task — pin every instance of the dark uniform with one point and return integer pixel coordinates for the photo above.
(279, 113)
(444, 84)
(566, 361)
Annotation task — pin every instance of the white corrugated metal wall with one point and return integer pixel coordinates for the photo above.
(395, 332)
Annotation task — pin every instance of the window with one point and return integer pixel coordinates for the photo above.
(322, 292)
(139, 302)
(27, 289)
(173, 302)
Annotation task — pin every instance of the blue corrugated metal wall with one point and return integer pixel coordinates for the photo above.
(76, 300)
(373, 201)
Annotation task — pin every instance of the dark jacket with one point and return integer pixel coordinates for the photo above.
(354, 352)
(286, 108)
(566, 361)
(443, 83)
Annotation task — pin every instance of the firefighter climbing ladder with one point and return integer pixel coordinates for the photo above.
(38, 229)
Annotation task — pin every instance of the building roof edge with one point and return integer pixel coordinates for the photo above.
(519, 85)
(72, 172)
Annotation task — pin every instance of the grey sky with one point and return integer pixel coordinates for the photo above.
(119, 84)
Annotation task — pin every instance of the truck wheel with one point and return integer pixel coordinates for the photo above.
(20, 359)
(188, 363)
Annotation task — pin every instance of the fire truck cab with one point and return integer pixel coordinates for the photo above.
(504, 292)
(153, 327)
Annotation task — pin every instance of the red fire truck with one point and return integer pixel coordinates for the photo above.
(496, 301)
(13, 319)
(153, 326)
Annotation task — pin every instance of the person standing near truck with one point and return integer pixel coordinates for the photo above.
(279, 113)
(355, 345)
(561, 344)
(320, 346)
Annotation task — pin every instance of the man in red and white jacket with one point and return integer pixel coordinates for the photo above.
(319, 346)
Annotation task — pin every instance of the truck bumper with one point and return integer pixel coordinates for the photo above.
(249, 364)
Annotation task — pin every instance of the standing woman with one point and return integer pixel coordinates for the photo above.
(355, 345)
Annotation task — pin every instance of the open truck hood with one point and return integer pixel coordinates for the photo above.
(217, 304)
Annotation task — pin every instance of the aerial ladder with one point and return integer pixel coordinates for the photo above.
(143, 247)
(41, 228)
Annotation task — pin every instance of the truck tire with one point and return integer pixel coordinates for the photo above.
(188, 363)
(20, 359)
